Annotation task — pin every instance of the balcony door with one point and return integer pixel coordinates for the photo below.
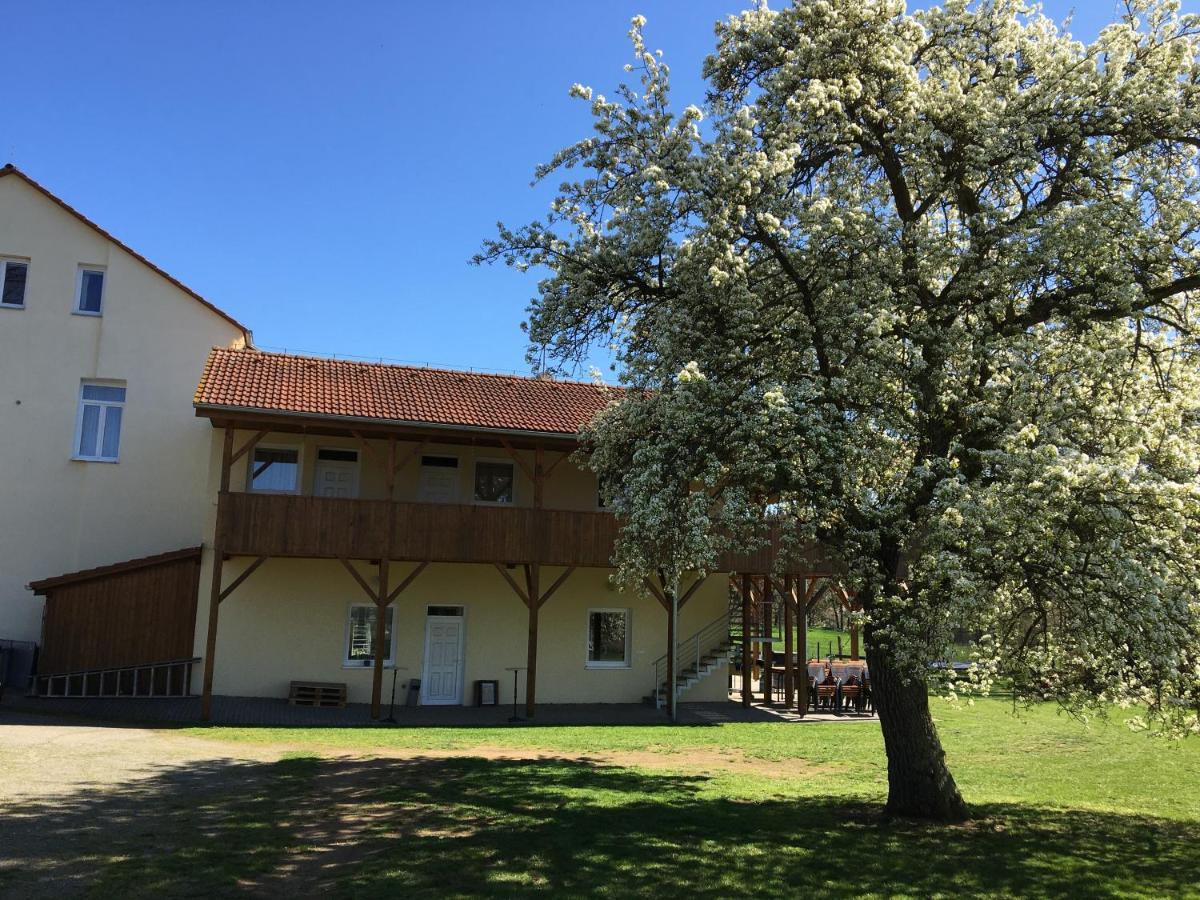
(441, 682)
(336, 473)
(439, 479)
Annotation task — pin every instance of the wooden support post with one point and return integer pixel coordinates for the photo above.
(532, 573)
(539, 476)
(747, 663)
(381, 605)
(789, 649)
(769, 645)
(214, 595)
(802, 615)
(854, 641)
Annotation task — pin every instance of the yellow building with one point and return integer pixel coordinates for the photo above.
(236, 522)
(101, 458)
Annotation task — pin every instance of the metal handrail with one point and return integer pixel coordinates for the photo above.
(694, 647)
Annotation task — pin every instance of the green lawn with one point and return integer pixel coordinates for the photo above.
(1062, 809)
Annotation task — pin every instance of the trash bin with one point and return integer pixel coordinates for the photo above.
(486, 692)
(414, 692)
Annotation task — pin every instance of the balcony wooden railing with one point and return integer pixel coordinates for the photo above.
(322, 527)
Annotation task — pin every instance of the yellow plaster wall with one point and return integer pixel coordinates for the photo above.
(288, 622)
(58, 514)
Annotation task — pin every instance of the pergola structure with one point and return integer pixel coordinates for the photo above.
(761, 597)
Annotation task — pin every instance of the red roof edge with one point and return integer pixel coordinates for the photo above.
(46, 585)
(10, 169)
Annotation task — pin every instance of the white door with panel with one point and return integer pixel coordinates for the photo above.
(441, 682)
(336, 474)
(439, 479)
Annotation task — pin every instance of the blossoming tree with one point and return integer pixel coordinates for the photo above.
(920, 285)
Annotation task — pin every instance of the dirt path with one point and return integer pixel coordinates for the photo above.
(45, 758)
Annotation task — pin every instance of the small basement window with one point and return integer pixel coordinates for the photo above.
(275, 470)
(90, 292)
(493, 482)
(13, 275)
(608, 639)
(360, 635)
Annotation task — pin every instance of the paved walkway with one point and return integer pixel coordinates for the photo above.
(273, 712)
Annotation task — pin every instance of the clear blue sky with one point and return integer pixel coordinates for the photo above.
(324, 171)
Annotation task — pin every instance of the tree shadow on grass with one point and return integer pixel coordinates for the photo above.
(474, 826)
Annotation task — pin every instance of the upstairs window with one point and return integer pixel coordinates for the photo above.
(89, 298)
(98, 425)
(13, 273)
(493, 482)
(275, 470)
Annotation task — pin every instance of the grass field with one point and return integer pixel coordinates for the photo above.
(1062, 809)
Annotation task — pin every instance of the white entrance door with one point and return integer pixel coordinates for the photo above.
(438, 480)
(336, 477)
(442, 681)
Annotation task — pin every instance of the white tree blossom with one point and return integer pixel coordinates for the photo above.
(924, 287)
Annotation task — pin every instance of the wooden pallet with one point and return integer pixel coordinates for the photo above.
(317, 693)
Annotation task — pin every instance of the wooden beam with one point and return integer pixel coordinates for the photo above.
(369, 450)
(558, 582)
(380, 641)
(747, 665)
(249, 570)
(512, 583)
(687, 595)
(789, 650)
(554, 465)
(768, 615)
(226, 460)
(412, 454)
(802, 616)
(370, 591)
(532, 573)
(658, 595)
(409, 579)
(539, 476)
(242, 450)
(529, 473)
(214, 593)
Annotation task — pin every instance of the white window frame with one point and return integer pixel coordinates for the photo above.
(104, 405)
(495, 460)
(299, 448)
(627, 663)
(389, 661)
(4, 263)
(78, 305)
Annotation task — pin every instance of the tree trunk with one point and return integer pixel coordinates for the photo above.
(919, 783)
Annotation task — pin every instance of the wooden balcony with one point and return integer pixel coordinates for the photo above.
(285, 525)
(322, 527)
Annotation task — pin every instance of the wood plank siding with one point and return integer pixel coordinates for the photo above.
(123, 615)
(323, 527)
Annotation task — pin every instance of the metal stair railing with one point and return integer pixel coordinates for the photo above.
(692, 648)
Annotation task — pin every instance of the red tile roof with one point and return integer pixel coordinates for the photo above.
(284, 384)
(10, 169)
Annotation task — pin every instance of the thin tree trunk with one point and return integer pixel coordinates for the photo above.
(919, 783)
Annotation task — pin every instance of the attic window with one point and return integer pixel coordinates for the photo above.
(90, 291)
